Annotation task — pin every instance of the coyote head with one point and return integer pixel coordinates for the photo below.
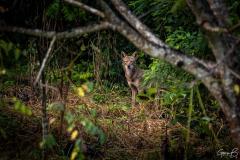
(129, 63)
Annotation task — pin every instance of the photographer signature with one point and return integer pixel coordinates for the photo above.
(232, 154)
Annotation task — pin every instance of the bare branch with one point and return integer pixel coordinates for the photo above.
(219, 10)
(204, 16)
(135, 23)
(202, 13)
(207, 26)
(45, 60)
(234, 73)
(32, 32)
(86, 7)
(59, 35)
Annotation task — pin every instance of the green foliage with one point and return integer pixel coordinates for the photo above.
(3, 133)
(83, 89)
(92, 129)
(196, 117)
(21, 107)
(87, 124)
(175, 95)
(190, 110)
(10, 54)
(116, 108)
(191, 43)
(77, 153)
(12, 63)
(48, 142)
(54, 8)
(81, 73)
(9, 49)
(57, 106)
(6, 84)
(178, 5)
(69, 13)
(99, 98)
(69, 118)
(163, 75)
(148, 94)
(159, 14)
(234, 7)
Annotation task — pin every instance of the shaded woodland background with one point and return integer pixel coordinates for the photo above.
(83, 94)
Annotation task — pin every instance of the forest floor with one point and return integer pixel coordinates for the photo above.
(142, 132)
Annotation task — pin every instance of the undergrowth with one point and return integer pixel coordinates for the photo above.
(106, 127)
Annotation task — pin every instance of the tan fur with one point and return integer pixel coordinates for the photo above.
(133, 74)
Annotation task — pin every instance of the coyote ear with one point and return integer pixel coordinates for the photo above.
(135, 54)
(123, 54)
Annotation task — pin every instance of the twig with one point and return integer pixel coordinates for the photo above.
(147, 12)
(45, 60)
(234, 73)
(234, 27)
(86, 7)
(229, 53)
(48, 86)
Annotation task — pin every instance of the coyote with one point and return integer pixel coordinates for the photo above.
(133, 74)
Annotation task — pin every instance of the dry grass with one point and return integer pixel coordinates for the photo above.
(132, 133)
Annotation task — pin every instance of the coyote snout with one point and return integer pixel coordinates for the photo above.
(133, 74)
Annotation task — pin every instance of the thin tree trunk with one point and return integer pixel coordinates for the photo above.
(44, 116)
(64, 94)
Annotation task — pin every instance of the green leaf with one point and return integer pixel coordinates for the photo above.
(236, 89)
(152, 90)
(17, 53)
(3, 133)
(21, 107)
(92, 129)
(93, 112)
(83, 47)
(57, 106)
(208, 119)
(48, 142)
(69, 117)
(174, 121)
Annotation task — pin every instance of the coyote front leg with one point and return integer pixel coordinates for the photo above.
(134, 93)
